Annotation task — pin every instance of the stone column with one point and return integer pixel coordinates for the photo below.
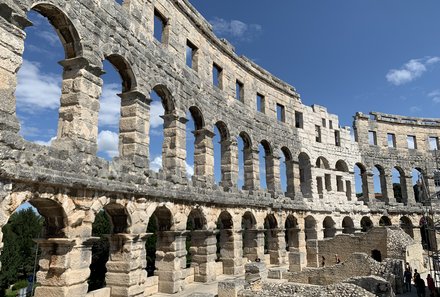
(253, 244)
(251, 170)
(277, 246)
(171, 261)
(203, 251)
(368, 186)
(126, 268)
(290, 179)
(204, 156)
(174, 147)
(64, 267)
(297, 180)
(11, 47)
(229, 164)
(134, 126)
(410, 198)
(231, 251)
(389, 192)
(78, 115)
(273, 174)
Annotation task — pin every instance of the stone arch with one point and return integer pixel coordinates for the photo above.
(407, 226)
(366, 224)
(305, 174)
(197, 115)
(382, 181)
(292, 232)
(322, 163)
(64, 27)
(400, 188)
(196, 220)
(200, 146)
(252, 248)
(341, 165)
(272, 245)
(54, 215)
(289, 172)
(310, 228)
(166, 97)
(361, 184)
(229, 244)
(162, 216)
(248, 160)
(384, 221)
(328, 226)
(266, 170)
(118, 216)
(223, 162)
(348, 225)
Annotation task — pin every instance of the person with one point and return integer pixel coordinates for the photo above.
(322, 261)
(416, 274)
(407, 266)
(420, 286)
(431, 285)
(337, 259)
(407, 278)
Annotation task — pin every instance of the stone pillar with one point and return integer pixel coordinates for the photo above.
(134, 126)
(251, 170)
(389, 192)
(410, 198)
(126, 268)
(204, 156)
(292, 237)
(174, 147)
(229, 164)
(11, 47)
(312, 253)
(171, 261)
(203, 252)
(369, 186)
(297, 180)
(231, 251)
(417, 234)
(273, 174)
(64, 267)
(253, 244)
(78, 115)
(277, 246)
(290, 179)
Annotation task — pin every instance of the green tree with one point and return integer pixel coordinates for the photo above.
(18, 256)
(100, 251)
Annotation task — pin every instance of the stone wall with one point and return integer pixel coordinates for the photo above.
(68, 184)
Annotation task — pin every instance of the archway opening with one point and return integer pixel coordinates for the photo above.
(195, 147)
(245, 171)
(222, 155)
(51, 39)
(427, 231)
(348, 226)
(417, 175)
(379, 183)
(407, 226)
(265, 165)
(384, 221)
(329, 228)
(305, 174)
(250, 243)
(310, 228)
(287, 170)
(366, 224)
(225, 242)
(376, 255)
(292, 230)
(361, 181)
(271, 238)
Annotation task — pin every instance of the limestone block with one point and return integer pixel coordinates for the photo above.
(104, 292)
(276, 273)
(297, 261)
(255, 271)
(230, 288)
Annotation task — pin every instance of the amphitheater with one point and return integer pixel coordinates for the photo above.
(68, 184)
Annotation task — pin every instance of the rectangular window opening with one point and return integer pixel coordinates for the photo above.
(160, 24)
(261, 103)
(330, 124)
(239, 90)
(217, 73)
(372, 139)
(299, 120)
(281, 113)
(318, 133)
(324, 123)
(337, 138)
(391, 139)
(433, 143)
(191, 55)
(411, 140)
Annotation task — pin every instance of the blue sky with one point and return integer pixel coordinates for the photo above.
(346, 55)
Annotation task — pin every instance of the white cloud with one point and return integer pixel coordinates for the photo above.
(37, 90)
(156, 165)
(435, 96)
(415, 109)
(235, 29)
(110, 105)
(50, 36)
(45, 143)
(156, 110)
(108, 142)
(410, 71)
